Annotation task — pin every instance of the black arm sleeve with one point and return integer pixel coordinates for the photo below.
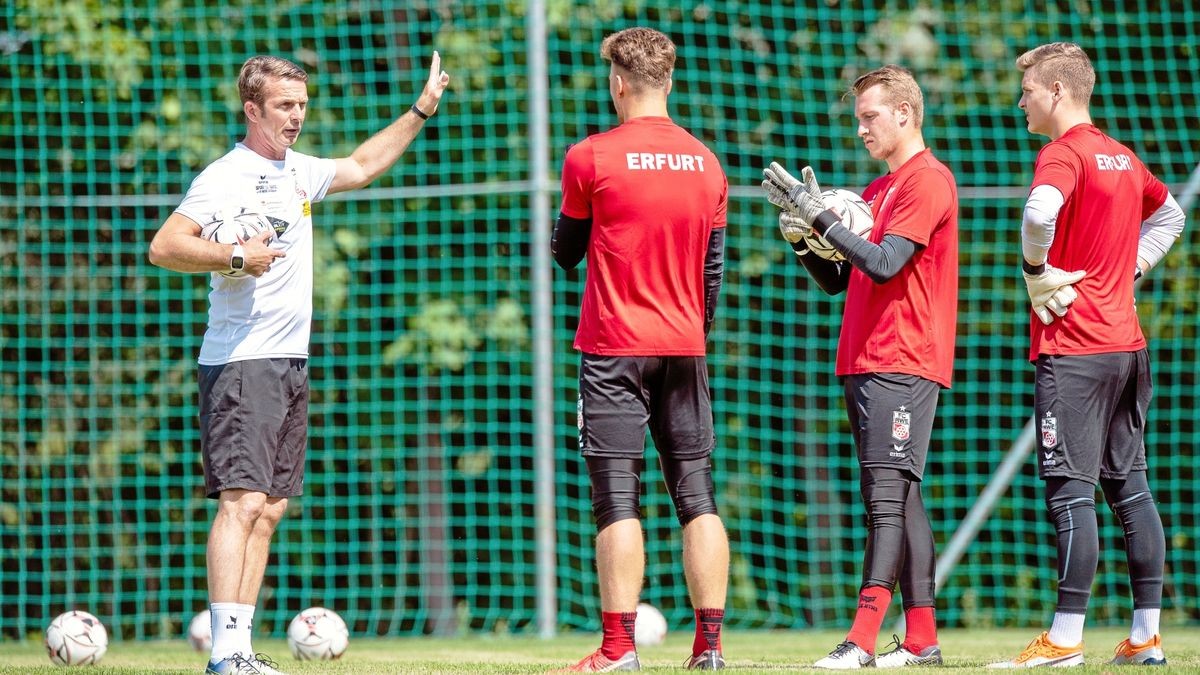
(569, 242)
(714, 274)
(832, 277)
(880, 261)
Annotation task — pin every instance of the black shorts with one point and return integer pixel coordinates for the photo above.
(1091, 414)
(254, 426)
(891, 417)
(621, 396)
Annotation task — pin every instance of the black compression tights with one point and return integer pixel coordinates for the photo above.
(1072, 506)
(1145, 545)
(899, 538)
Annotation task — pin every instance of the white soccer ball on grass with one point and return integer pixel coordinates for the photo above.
(76, 638)
(318, 634)
(199, 632)
(650, 628)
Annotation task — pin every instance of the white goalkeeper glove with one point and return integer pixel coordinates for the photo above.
(1051, 291)
(793, 228)
(802, 199)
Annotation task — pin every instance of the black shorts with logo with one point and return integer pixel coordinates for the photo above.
(621, 396)
(254, 426)
(1091, 414)
(891, 417)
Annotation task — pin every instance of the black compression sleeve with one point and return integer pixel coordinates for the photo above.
(880, 261)
(714, 274)
(832, 277)
(569, 242)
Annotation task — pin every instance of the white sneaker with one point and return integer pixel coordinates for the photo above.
(846, 656)
(1149, 654)
(265, 664)
(231, 665)
(899, 656)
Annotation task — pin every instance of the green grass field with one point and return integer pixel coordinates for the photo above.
(747, 652)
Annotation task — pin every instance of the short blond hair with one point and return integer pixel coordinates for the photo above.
(257, 71)
(648, 55)
(1064, 62)
(899, 86)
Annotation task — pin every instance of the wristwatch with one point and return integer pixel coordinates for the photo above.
(237, 261)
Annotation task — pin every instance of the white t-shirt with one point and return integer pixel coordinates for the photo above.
(268, 316)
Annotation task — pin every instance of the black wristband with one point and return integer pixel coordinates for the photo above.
(825, 220)
(418, 112)
(1032, 269)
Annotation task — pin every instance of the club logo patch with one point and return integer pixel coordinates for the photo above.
(901, 422)
(1049, 430)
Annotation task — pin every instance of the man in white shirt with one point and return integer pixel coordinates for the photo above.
(253, 372)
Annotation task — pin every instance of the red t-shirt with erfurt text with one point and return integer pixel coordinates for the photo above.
(1108, 193)
(907, 324)
(654, 194)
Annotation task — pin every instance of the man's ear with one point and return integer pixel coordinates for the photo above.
(906, 111)
(250, 110)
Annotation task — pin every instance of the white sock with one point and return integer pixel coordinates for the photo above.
(245, 629)
(1145, 626)
(1067, 629)
(225, 633)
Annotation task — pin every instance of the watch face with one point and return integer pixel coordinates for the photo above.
(237, 263)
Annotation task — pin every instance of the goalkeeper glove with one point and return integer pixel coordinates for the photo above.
(793, 227)
(803, 199)
(1050, 290)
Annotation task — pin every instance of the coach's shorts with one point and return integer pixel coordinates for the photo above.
(254, 426)
(1091, 414)
(891, 417)
(620, 396)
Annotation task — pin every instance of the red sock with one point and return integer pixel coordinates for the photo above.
(708, 630)
(873, 604)
(618, 634)
(920, 629)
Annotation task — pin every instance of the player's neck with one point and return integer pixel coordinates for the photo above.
(644, 108)
(262, 146)
(906, 150)
(1067, 121)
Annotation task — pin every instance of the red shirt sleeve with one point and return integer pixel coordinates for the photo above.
(1058, 167)
(720, 218)
(1154, 196)
(578, 180)
(920, 206)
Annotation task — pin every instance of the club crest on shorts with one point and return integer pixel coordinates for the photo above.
(1049, 430)
(901, 423)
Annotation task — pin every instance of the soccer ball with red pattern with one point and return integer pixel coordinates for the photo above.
(76, 638)
(318, 634)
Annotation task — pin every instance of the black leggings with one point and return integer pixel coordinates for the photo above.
(1072, 506)
(899, 537)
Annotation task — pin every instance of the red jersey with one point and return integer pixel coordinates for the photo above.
(907, 324)
(654, 194)
(1108, 193)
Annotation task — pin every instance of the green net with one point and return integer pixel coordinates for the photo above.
(419, 511)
